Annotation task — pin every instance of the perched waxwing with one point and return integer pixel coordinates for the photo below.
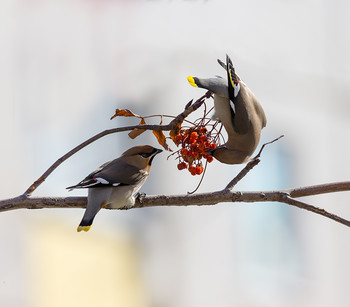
(114, 183)
(238, 110)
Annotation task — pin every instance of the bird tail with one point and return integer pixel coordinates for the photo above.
(84, 225)
(92, 208)
(86, 222)
(87, 219)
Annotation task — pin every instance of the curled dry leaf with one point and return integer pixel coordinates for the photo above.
(136, 132)
(124, 112)
(188, 104)
(173, 133)
(161, 139)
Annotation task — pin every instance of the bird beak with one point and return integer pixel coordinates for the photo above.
(211, 151)
(157, 151)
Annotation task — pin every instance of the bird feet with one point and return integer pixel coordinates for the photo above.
(140, 196)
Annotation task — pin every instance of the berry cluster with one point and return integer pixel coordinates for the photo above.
(195, 143)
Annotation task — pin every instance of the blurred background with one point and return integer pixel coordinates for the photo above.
(67, 65)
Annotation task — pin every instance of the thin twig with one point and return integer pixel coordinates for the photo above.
(200, 181)
(263, 146)
(242, 174)
(252, 163)
(172, 125)
(297, 203)
(43, 177)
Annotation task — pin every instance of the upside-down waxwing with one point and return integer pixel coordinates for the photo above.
(238, 110)
(115, 182)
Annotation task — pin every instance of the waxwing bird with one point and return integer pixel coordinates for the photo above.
(115, 182)
(238, 110)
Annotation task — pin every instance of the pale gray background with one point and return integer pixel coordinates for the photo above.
(66, 66)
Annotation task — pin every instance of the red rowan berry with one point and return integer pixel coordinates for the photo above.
(184, 152)
(192, 169)
(194, 135)
(210, 158)
(203, 137)
(199, 170)
(195, 154)
(178, 138)
(182, 166)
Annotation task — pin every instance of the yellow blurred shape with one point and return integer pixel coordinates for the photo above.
(85, 228)
(191, 81)
(73, 269)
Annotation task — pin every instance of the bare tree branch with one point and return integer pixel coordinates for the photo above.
(24, 201)
(200, 199)
(319, 189)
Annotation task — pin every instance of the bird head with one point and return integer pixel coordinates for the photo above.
(141, 156)
(216, 85)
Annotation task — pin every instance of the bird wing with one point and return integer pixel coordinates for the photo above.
(233, 79)
(232, 83)
(113, 173)
(222, 64)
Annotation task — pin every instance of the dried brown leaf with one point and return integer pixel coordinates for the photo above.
(124, 112)
(161, 139)
(174, 132)
(136, 132)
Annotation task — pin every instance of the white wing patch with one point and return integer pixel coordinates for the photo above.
(236, 90)
(233, 106)
(101, 180)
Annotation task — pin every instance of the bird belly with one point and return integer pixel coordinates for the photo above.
(123, 196)
(223, 113)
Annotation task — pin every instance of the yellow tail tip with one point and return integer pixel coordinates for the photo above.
(191, 81)
(84, 228)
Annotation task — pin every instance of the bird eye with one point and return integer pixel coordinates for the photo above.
(144, 155)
